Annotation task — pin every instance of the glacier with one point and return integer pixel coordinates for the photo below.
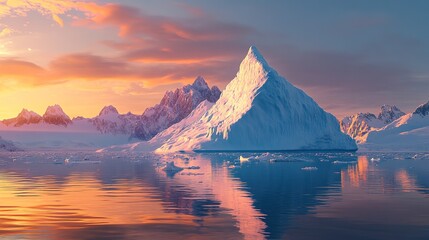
(261, 111)
(407, 133)
(358, 126)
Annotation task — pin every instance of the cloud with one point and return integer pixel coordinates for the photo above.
(348, 83)
(165, 35)
(52, 8)
(160, 50)
(58, 20)
(5, 32)
(15, 73)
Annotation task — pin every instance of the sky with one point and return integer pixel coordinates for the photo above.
(350, 56)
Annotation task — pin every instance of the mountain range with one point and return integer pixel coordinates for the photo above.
(259, 110)
(392, 130)
(359, 125)
(109, 123)
(270, 115)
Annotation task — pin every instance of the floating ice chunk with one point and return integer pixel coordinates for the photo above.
(171, 168)
(309, 168)
(344, 162)
(243, 159)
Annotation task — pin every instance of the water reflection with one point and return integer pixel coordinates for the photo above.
(276, 196)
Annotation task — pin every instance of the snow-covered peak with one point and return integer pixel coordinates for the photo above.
(54, 110)
(24, 117)
(28, 116)
(255, 56)
(422, 110)
(251, 79)
(55, 115)
(389, 113)
(253, 68)
(108, 110)
(174, 106)
(360, 125)
(200, 83)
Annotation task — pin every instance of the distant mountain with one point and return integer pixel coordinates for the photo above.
(359, 125)
(110, 121)
(407, 133)
(55, 129)
(422, 110)
(260, 110)
(55, 115)
(389, 113)
(160, 138)
(23, 118)
(174, 106)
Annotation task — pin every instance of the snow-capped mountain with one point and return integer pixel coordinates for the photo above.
(260, 110)
(422, 110)
(407, 133)
(359, 125)
(389, 113)
(110, 121)
(56, 130)
(55, 115)
(174, 106)
(160, 138)
(24, 117)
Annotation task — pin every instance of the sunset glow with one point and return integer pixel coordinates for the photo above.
(61, 51)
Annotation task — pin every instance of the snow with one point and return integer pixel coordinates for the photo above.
(359, 125)
(57, 131)
(408, 133)
(174, 106)
(109, 113)
(389, 113)
(159, 139)
(24, 117)
(110, 121)
(260, 110)
(55, 115)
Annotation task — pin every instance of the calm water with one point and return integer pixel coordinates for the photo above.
(273, 196)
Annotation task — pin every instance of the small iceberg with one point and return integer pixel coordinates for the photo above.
(171, 168)
(243, 159)
(309, 168)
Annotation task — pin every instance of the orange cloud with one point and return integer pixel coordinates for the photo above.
(53, 8)
(16, 72)
(5, 32)
(156, 50)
